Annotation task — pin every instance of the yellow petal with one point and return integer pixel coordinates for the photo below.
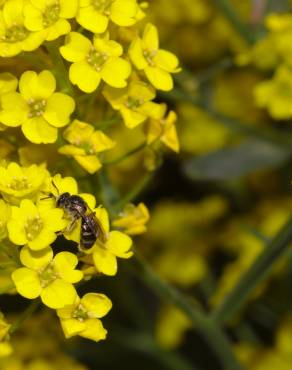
(159, 78)
(64, 264)
(37, 87)
(94, 330)
(92, 20)
(58, 294)
(115, 72)
(105, 262)
(26, 282)
(150, 37)
(136, 54)
(89, 162)
(58, 109)
(72, 327)
(76, 47)
(166, 61)
(119, 244)
(38, 131)
(97, 305)
(36, 260)
(123, 12)
(85, 77)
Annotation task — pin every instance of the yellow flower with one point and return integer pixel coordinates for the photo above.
(33, 225)
(13, 34)
(5, 212)
(117, 244)
(95, 62)
(50, 15)
(50, 278)
(82, 318)
(17, 183)
(37, 107)
(133, 219)
(86, 143)
(133, 102)
(156, 63)
(94, 15)
(276, 94)
(163, 128)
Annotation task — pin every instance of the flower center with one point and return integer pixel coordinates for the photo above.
(37, 107)
(102, 6)
(33, 227)
(15, 33)
(149, 55)
(96, 59)
(51, 14)
(133, 103)
(48, 275)
(87, 147)
(80, 313)
(19, 183)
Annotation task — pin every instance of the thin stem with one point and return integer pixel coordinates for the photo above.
(215, 338)
(125, 156)
(257, 272)
(133, 194)
(231, 15)
(25, 315)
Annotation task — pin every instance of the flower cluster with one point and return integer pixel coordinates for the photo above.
(75, 68)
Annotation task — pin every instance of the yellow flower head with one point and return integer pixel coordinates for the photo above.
(276, 94)
(94, 15)
(93, 62)
(133, 219)
(8, 83)
(37, 108)
(163, 128)
(50, 15)
(5, 212)
(33, 225)
(17, 183)
(49, 277)
(158, 64)
(133, 102)
(15, 37)
(82, 318)
(86, 143)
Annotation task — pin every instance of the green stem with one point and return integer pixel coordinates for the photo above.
(257, 272)
(125, 156)
(231, 15)
(59, 68)
(25, 315)
(215, 338)
(133, 194)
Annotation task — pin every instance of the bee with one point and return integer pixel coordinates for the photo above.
(77, 209)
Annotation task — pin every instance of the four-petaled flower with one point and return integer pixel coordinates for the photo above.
(133, 102)
(17, 183)
(14, 36)
(49, 277)
(93, 62)
(94, 15)
(163, 128)
(86, 143)
(34, 226)
(37, 108)
(132, 219)
(156, 63)
(49, 15)
(82, 318)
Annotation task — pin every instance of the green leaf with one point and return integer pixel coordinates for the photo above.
(235, 162)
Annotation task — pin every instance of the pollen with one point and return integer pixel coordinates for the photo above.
(96, 59)
(51, 14)
(15, 33)
(80, 313)
(37, 107)
(33, 227)
(102, 6)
